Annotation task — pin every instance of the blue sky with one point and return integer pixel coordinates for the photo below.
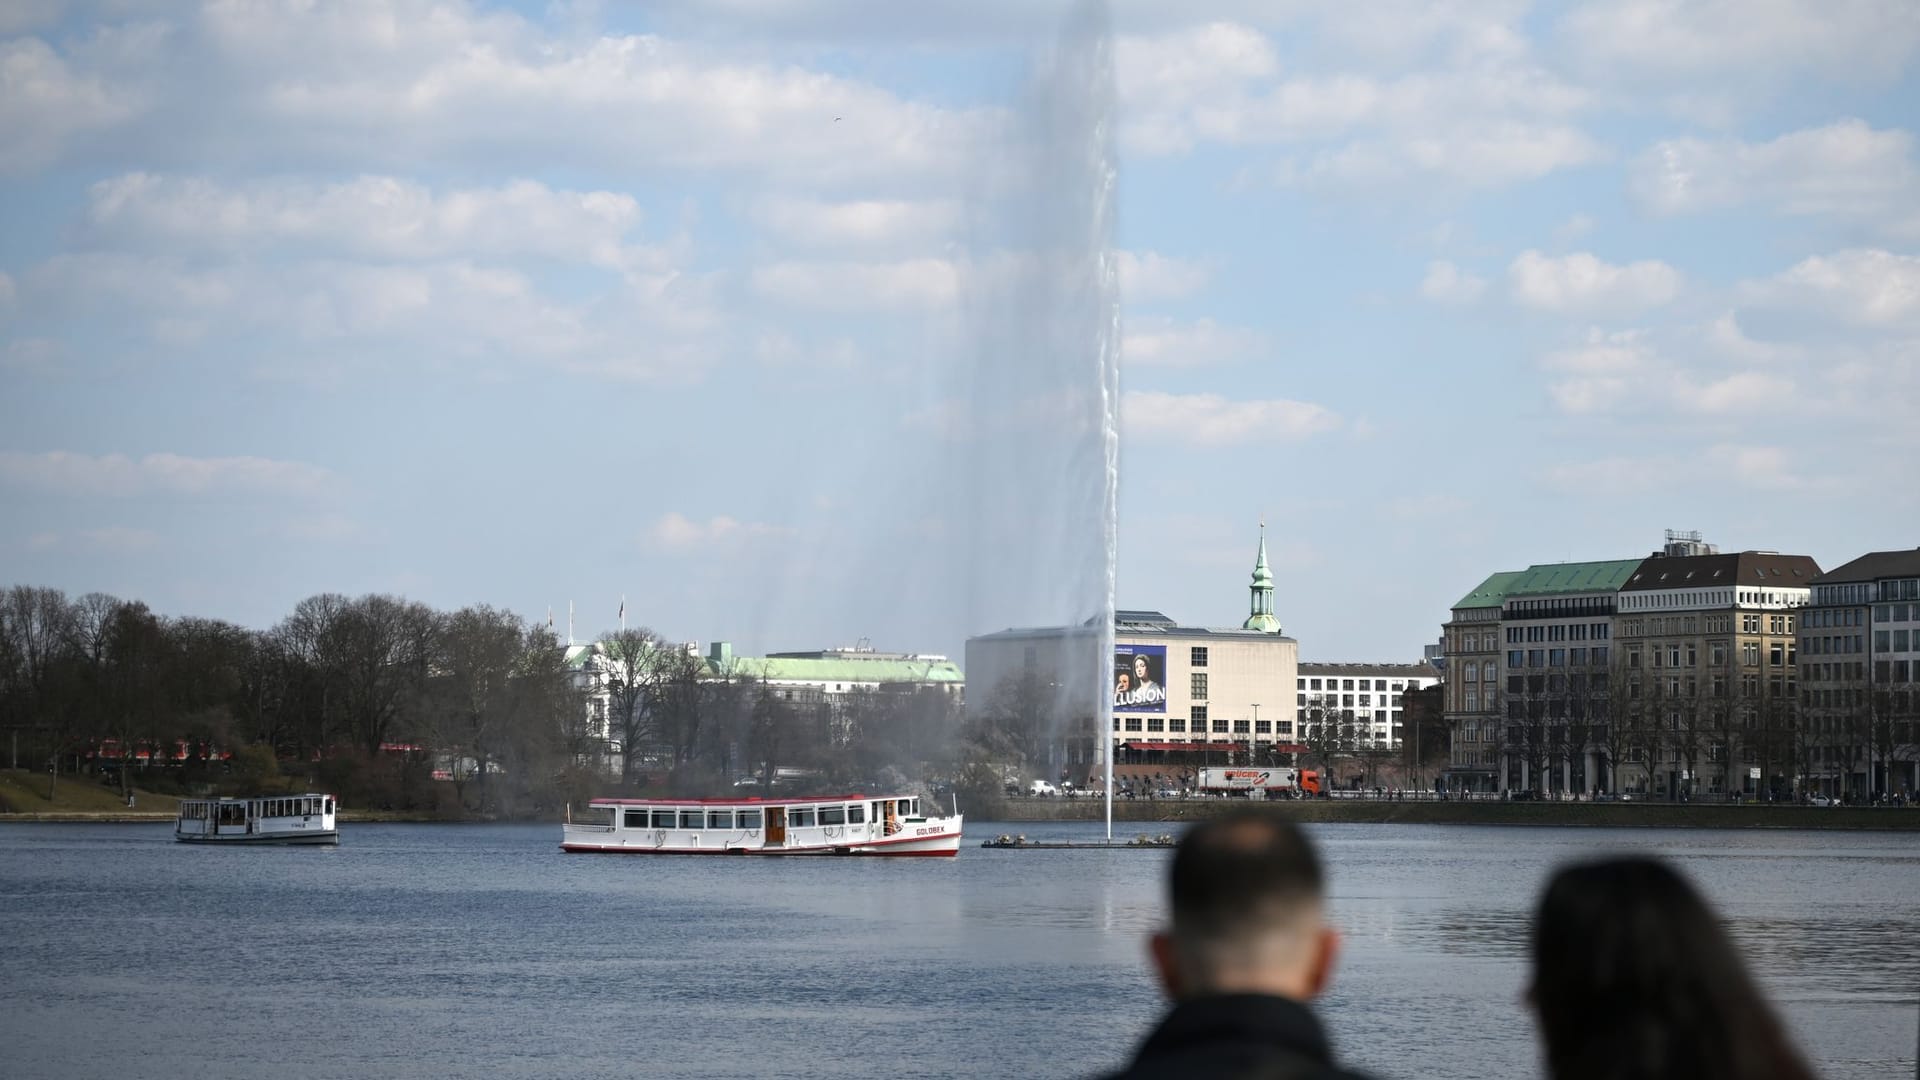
(527, 303)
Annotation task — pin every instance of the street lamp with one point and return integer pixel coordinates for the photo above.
(1253, 738)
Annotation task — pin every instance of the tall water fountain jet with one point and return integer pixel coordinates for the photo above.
(1036, 422)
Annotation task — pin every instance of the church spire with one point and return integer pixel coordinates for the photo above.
(1261, 618)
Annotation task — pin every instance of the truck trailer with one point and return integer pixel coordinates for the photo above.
(1273, 783)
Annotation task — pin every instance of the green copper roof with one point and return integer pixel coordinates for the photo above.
(1490, 592)
(1262, 577)
(1557, 579)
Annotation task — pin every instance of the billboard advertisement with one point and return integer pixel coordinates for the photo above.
(1140, 678)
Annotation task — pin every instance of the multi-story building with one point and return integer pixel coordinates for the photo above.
(1365, 696)
(1556, 624)
(1472, 650)
(1180, 695)
(1707, 644)
(1859, 667)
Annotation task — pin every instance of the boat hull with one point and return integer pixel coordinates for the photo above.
(940, 845)
(259, 839)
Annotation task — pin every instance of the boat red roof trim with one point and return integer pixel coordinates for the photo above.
(755, 801)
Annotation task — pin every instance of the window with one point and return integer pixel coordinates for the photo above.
(833, 815)
(1473, 698)
(1154, 723)
(1313, 684)
(1220, 726)
(1198, 714)
(1263, 727)
(1243, 727)
(800, 817)
(856, 815)
(664, 819)
(1199, 685)
(1199, 656)
(635, 819)
(1133, 723)
(719, 819)
(1516, 658)
(1176, 724)
(693, 819)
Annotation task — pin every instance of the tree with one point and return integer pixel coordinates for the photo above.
(634, 667)
(1327, 731)
(476, 657)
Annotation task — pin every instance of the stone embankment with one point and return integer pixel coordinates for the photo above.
(1384, 811)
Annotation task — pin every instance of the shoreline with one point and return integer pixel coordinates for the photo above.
(1549, 814)
(1336, 811)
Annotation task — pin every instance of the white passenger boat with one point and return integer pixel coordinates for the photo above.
(828, 825)
(261, 819)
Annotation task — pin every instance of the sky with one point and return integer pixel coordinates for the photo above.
(548, 303)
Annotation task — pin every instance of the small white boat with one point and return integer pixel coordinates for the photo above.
(828, 825)
(259, 819)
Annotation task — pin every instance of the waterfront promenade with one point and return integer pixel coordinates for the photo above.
(1701, 815)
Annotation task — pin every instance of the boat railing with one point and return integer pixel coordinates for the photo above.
(578, 827)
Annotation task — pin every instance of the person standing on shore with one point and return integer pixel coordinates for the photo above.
(1247, 948)
(1634, 977)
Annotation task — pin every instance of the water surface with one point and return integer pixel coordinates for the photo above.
(483, 951)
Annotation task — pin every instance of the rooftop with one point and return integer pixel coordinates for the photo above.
(1873, 566)
(1562, 579)
(1490, 592)
(1751, 569)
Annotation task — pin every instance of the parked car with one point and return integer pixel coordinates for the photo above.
(1041, 788)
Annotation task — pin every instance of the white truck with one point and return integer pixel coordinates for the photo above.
(1255, 781)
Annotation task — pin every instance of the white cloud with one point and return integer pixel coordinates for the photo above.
(437, 312)
(1758, 468)
(1582, 283)
(1726, 335)
(372, 217)
(1766, 39)
(1862, 287)
(675, 531)
(865, 224)
(1162, 342)
(45, 105)
(1212, 420)
(858, 286)
(71, 473)
(1448, 284)
(1493, 155)
(1846, 170)
(1767, 468)
(1623, 371)
(1149, 275)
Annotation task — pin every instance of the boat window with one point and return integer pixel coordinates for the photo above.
(329, 805)
(910, 807)
(857, 815)
(833, 815)
(800, 818)
(663, 819)
(749, 819)
(719, 819)
(635, 819)
(693, 819)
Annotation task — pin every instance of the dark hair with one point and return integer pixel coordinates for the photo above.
(1232, 872)
(1633, 976)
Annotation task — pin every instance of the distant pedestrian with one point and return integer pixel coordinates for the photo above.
(1635, 979)
(1247, 948)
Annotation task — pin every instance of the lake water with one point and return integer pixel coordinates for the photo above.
(419, 950)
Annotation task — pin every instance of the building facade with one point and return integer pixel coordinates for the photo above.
(1471, 646)
(1169, 694)
(1708, 649)
(1369, 697)
(1859, 667)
